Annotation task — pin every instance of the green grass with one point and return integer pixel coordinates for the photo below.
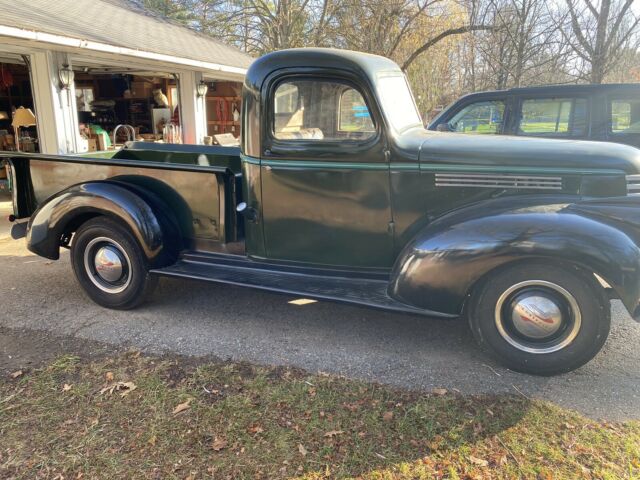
(244, 421)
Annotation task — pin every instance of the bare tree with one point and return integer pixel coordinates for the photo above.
(599, 32)
(524, 47)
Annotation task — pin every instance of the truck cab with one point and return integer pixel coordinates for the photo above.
(339, 193)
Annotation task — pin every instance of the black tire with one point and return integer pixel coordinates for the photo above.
(496, 319)
(135, 283)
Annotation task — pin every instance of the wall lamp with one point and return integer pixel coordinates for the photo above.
(65, 74)
(202, 89)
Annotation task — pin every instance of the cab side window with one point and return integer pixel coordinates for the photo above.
(320, 110)
(553, 117)
(625, 116)
(481, 117)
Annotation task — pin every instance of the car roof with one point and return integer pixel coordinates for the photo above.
(561, 89)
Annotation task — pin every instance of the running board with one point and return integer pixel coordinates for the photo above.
(370, 293)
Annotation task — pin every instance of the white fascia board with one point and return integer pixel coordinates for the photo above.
(63, 41)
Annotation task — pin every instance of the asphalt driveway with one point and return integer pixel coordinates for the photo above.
(41, 299)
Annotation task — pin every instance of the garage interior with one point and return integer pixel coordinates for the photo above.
(145, 106)
(18, 130)
(109, 97)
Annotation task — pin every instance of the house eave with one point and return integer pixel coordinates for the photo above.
(65, 42)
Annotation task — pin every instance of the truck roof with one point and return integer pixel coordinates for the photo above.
(355, 62)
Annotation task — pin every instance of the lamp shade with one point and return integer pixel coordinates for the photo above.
(23, 117)
(202, 88)
(65, 75)
(4, 116)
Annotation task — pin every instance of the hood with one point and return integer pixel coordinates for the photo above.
(509, 151)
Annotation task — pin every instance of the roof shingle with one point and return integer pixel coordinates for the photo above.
(120, 23)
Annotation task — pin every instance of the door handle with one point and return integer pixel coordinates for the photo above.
(250, 213)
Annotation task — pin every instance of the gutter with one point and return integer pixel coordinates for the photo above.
(106, 48)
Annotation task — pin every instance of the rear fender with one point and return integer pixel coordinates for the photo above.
(140, 211)
(439, 267)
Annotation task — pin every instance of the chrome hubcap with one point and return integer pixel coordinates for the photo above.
(107, 265)
(537, 316)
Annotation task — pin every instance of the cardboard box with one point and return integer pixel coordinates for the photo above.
(141, 89)
(102, 141)
(93, 144)
(28, 146)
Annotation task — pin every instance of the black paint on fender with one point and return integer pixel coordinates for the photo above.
(155, 230)
(441, 265)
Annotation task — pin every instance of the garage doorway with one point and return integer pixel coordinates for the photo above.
(18, 126)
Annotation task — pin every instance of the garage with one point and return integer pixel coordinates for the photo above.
(88, 87)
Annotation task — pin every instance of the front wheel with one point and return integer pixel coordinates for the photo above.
(110, 265)
(540, 319)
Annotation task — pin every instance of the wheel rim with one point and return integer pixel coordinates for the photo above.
(107, 265)
(537, 316)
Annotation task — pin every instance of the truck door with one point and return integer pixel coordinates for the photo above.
(325, 178)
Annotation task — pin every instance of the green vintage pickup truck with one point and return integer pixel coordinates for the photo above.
(339, 193)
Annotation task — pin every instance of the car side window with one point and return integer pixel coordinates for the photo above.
(625, 116)
(563, 117)
(480, 117)
(321, 110)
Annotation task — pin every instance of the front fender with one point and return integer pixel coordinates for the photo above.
(53, 218)
(439, 267)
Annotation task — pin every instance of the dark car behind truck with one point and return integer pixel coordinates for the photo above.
(607, 113)
(338, 192)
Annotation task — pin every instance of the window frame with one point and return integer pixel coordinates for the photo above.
(456, 107)
(609, 116)
(500, 131)
(370, 150)
(518, 115)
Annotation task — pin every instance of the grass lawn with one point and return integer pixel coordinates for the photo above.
(141, 417)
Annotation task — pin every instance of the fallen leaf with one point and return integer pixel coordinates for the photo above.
(218, 444)
(569, 426)
(17, 374)
(387, 416)
(333, 433)
(66, 387)
(108, 376)
(302, 450)
(255, 429)
(439, 391)
(152, 440)
(182, 406)
(125, 388)
(478, 461)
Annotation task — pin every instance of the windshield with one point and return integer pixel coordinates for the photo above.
(397, 101)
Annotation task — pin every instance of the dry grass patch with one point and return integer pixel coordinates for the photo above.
(141, 417)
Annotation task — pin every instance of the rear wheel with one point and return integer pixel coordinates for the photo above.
(540, 319)
(110, 265)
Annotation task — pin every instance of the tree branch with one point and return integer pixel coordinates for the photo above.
(447, 33)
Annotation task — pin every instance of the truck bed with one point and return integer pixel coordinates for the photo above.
(202, 185)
